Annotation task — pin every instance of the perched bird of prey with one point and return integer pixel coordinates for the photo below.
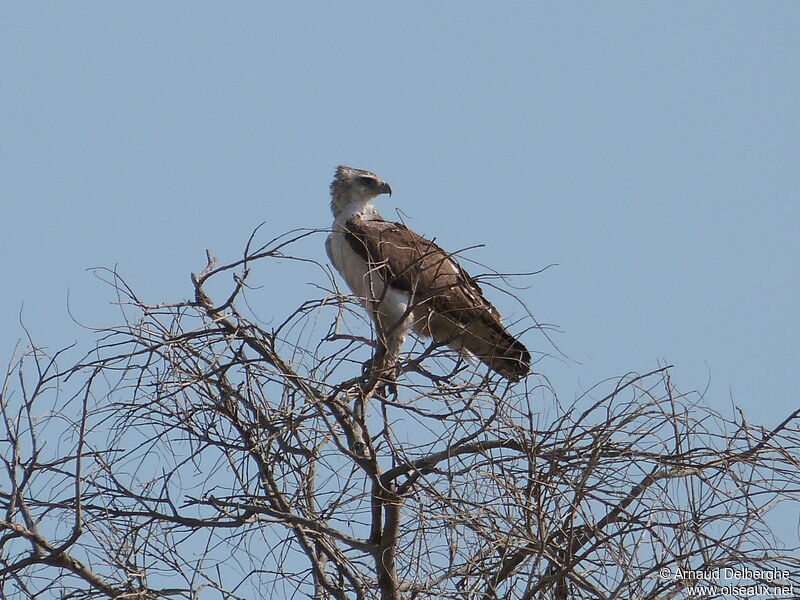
(408, 283)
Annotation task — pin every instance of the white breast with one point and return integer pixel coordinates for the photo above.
(367, 285)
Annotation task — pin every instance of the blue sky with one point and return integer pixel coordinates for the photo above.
(650, 150)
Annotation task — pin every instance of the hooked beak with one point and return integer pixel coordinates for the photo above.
(385, 188)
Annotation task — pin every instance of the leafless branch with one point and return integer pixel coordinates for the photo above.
(194, 452)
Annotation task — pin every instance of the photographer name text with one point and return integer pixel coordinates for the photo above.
(732, 573)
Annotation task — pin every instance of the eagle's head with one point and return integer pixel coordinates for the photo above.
(352, 189)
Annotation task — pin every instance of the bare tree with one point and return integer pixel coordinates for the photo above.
(195, 453)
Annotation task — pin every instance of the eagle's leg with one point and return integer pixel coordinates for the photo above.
(390, 344)
(382, 366)
(383, 369)
(380, 375)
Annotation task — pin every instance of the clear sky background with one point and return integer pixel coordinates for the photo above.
(651, 150)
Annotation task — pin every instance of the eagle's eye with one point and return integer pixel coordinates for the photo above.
(366, 181)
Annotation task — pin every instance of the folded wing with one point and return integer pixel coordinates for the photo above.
(447, 304)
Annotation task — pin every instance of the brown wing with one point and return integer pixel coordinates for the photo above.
(411, 263)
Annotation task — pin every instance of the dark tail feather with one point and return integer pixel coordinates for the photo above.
(494, 346)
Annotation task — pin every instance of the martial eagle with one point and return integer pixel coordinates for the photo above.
(408, 283)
